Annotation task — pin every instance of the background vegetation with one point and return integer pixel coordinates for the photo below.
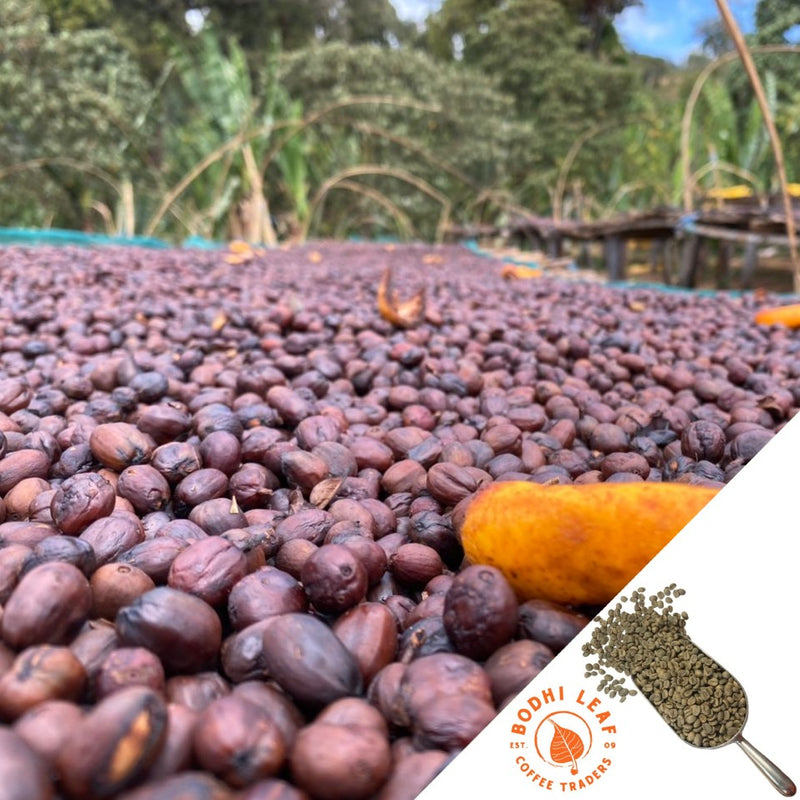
(275, 120)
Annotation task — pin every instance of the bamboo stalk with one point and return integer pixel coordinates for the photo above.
(260, 228)
(105, 212)
(628, 188)
(777, 149)
(415, 147)
(297, 126)
(243, 137)
(694, 96)
(59, 161)
(569, 159)
(127, 209)
(723, 166)
(392, 172)
(406, 229)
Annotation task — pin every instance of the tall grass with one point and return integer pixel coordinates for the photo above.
(777, 147)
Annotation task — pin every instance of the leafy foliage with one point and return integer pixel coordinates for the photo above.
(543, 58)
(302, 23)
(459, 141)
(74, 108)
(220, 109)
(774, 19)
(289, 118)
(147, 30)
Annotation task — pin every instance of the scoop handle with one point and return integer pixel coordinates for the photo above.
(777, 777)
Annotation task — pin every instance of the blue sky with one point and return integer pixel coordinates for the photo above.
(668, 28)
(663, 28)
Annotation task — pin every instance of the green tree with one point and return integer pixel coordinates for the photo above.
(597, 16)
(371, 22)
(213, 99)
(301, 23)
(459, 143)
(77, 15)
(715, 39)
(146, 29)
(731, 144)
(73, 119)
(449, 29)
(774, 19)
(540, 54)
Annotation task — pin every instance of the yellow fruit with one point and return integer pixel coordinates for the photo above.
(730, 193)
(780, 315)
(575, 544)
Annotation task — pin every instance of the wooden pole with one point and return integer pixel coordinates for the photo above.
(777, 149)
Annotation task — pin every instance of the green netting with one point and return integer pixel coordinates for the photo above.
(58, 236)
(650, 285)
(199, 243)
(531, 263)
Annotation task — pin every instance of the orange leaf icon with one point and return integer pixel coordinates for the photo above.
(566, 747)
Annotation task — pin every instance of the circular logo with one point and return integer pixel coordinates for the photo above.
(563, 738)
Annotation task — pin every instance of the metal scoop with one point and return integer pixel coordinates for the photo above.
(776, 776)
(616, 638)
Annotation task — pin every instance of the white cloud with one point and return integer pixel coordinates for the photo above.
(415, 10)
(634, 26)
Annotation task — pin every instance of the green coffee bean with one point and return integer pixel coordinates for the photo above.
(699, 699)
